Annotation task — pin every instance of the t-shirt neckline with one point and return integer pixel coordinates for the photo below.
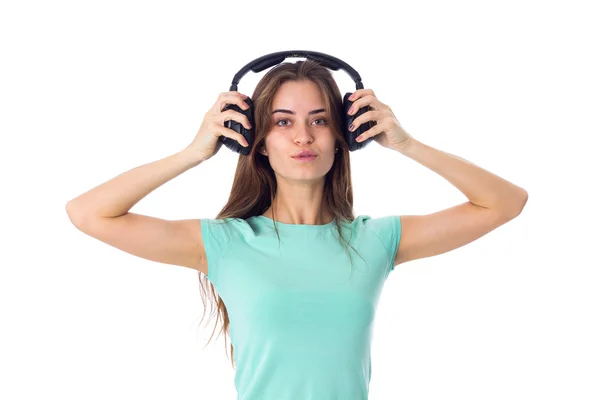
(284, 226)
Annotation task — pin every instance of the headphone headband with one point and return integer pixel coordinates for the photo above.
(272, 59)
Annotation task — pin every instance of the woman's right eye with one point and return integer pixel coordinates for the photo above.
(278, 121)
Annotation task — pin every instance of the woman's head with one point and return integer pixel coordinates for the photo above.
(299, 121)
(300, 87)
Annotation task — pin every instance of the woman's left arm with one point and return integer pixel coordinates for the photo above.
(483, 188)
(493, 201)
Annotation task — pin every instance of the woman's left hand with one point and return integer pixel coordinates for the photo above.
(394, 135)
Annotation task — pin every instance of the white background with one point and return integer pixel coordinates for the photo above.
(93, 89)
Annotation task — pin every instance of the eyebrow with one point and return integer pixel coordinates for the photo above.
(291, 112)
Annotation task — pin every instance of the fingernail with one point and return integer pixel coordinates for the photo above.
(351, 127)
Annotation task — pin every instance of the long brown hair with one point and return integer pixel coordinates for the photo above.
(254, 185)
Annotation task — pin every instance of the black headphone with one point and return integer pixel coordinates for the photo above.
(272, 59)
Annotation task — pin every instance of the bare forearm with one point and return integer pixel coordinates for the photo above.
(118, 195)
(481, 187)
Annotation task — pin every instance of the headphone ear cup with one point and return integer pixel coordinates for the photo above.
(349, 120)
(248, 134)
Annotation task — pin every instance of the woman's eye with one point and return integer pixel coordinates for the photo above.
(320, 119)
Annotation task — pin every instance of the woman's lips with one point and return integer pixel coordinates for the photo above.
(305, 158)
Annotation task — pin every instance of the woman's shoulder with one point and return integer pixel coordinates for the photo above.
(228, 226)
(377, 224)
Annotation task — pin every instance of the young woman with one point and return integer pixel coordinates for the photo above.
(295, 275)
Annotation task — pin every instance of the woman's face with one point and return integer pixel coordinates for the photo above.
(300, 122)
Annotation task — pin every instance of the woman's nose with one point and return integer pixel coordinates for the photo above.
(303, 135)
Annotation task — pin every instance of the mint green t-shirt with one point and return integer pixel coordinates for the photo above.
(301, 316)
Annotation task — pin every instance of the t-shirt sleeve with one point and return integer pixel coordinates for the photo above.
(216, 234)
(389, 230)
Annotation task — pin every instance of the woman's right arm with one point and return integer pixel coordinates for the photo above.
(103, 212)
(116, 197)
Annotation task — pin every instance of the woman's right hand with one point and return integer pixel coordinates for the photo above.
(206, 143)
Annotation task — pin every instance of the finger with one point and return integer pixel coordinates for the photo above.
(365, 101)
(355, 95)
(360, 93)
(233, 99)
(231, 93)
(368, 116)
(230, 133)
(357, 105)
(236, 116)
(376, 130)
